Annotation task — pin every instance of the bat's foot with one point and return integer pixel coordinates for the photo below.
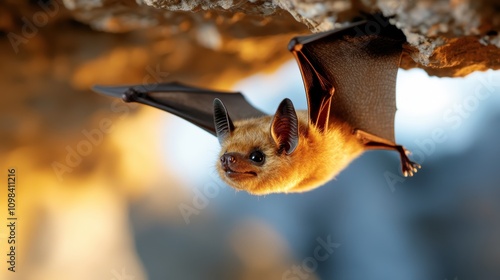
(373, 142)
(408, 167)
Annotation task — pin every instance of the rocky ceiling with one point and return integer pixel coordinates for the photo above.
(211, 42)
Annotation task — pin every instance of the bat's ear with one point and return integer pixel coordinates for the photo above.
(223, 124)
(285, 127)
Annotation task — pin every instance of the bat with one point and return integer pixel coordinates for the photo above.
(349, 76)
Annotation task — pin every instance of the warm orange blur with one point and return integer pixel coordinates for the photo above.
(81, 159)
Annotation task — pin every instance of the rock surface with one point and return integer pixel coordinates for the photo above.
(448, 38)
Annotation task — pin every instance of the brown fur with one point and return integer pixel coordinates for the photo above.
(317, 159)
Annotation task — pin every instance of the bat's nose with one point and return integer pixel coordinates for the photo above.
(227, 159)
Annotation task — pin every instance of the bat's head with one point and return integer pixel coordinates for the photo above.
(281, 153)
(255, 153)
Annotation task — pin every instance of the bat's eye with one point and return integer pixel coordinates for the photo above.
(257, 157)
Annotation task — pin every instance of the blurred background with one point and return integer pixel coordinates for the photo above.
(108, 190)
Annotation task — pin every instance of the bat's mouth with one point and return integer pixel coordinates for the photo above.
(238, 174)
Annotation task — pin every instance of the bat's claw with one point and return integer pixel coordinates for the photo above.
(408, 167)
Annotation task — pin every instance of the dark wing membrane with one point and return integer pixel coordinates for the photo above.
(190, 103)
(354, 70)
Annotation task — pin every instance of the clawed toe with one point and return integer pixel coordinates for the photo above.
(410, 168)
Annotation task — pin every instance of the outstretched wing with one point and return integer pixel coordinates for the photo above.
(350, 74)
(190, 103)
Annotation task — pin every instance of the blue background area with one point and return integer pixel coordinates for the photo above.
(443, 223)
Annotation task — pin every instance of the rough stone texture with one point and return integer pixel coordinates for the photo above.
(452, 38)
(448, 38)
